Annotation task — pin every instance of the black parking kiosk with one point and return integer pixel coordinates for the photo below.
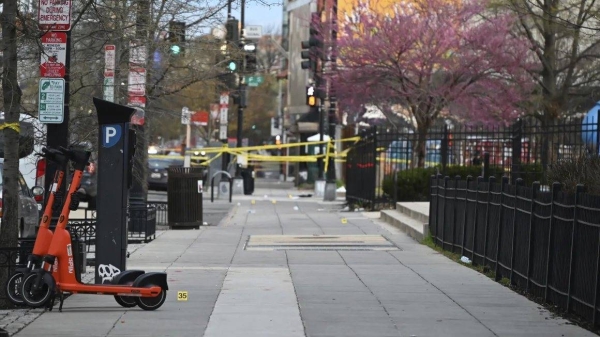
(115, 153)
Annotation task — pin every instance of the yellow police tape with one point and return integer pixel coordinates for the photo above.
(205, 159)
(14, 126)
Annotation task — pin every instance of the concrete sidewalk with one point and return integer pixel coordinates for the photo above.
(337, 278)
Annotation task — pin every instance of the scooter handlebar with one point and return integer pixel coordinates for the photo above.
(53, 155)
(79, 158)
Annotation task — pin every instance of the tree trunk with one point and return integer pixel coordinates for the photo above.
(12, 103)
(419, 148)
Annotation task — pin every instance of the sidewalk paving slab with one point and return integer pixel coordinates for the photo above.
(414, 291)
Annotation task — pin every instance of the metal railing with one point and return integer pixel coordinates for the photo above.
(545, 243)
(524, 150)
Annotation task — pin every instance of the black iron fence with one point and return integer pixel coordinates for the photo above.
(162, 212)
(523, 150)
(546, 243)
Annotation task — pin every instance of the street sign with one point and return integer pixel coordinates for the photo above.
(223, 131)
(109, 60)
(51, 100)
(185, 115)
(200, 118)
(254, 80)
(137, 101)
(137, 82)
(108, 89)
(137, 53)
(138, 117)
(54, 15)
(224, 98)
(223, 107)
(253, 32)
(54, 55)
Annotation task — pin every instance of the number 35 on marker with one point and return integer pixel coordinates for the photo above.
(182, 295)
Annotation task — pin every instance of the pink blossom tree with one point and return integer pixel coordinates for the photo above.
(431, 57)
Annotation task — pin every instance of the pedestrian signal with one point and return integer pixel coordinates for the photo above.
(311, 99)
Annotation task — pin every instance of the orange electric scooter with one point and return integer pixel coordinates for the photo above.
(44, 234)
(57, 274)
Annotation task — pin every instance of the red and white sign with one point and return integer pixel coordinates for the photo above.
(137, 53)
(136, 82)
(54, 15)
(138, 101)
(109, 60)
(138, 116)
(54, 55)
(200, 118)
(223, 107)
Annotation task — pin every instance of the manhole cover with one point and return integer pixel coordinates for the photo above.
(319, 242)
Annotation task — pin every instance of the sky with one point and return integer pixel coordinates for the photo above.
(266, 13)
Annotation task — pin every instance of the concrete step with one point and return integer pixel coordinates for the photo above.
(416, 210)
(412, 227)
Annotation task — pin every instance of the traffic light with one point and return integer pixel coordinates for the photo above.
(250, 50)
(177, 37)
(312, 48)
(311, 97)
(233, 31)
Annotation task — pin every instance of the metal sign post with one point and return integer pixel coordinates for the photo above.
(114, 178)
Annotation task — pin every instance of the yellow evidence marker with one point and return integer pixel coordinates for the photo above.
(253, 202)
(274, 201)
(344, 220)
(182, 295)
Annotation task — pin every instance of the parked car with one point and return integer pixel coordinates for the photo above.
(157, 171)
(28, 207)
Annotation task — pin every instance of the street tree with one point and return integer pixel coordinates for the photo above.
(426, 58)
(11, 94)
(564, 38)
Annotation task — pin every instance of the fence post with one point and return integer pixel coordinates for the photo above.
(437, 207)
(580, 189)
(444, 211)
(432, 196)
(444, 148)
(555, 189)
(462, 242)
(456, 180)
(499, 238)
(479, 180)
(374, 169)
(486, 166)
(492, 180)
(517, 146)
(518, 183)
(395, 189)
(535, 188)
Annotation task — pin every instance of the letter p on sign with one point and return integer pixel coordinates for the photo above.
(111, 135)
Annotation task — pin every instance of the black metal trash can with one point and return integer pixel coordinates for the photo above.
(248, 176)
(184, 197)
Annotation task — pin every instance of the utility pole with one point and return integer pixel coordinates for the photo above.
(241, 86)
(330, 184)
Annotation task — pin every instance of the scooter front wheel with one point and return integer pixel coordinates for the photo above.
(152, 303)
(37, 297)
(13, 288)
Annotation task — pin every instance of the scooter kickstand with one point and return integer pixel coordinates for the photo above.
(61, 297)
(50, 304)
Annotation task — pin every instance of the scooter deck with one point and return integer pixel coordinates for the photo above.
(108, 289)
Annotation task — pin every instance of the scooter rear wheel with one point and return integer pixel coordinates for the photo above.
(36, 298)
(13, 288)
(152, 303)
